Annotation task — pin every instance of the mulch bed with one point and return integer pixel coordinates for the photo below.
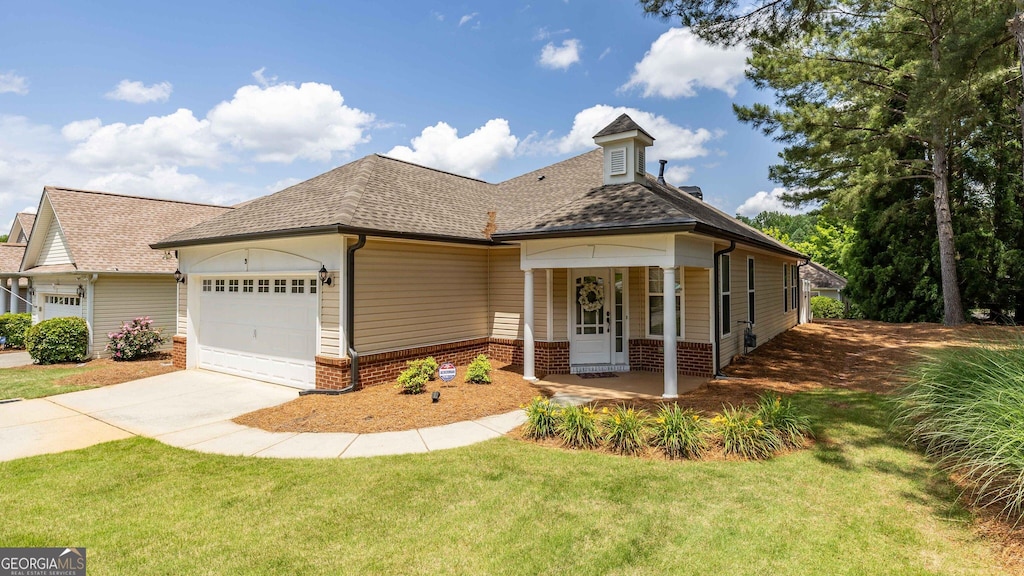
(105, 372)
(383, 408)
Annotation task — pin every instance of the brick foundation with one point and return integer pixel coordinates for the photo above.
(178, 351)
(374, 369)
(692, 358)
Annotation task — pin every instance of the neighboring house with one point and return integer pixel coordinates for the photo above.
(14, 287)
(565, 269)
(824, 282)
(89, 256)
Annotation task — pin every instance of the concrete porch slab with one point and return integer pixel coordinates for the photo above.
(623, 386)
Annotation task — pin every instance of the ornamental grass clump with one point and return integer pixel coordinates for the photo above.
(681, 433)
(135, 339)
(577, 426)
(792, 427)
(540, 418)
(744, 434)
(965, 408)
(626, 429)
(479, 370)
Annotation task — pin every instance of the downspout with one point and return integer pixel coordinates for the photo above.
(350, 310)
(800, 288)
(718, 308)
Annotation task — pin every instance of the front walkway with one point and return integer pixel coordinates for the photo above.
(193, 409)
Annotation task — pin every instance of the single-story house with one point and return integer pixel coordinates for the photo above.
(580, 266)
(88, 256)
(824, 282)
(13, 287)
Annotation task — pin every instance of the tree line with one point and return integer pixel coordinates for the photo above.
(902, 120)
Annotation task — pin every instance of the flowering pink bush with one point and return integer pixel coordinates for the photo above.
(134, 340)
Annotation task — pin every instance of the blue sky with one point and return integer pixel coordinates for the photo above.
(220, 102)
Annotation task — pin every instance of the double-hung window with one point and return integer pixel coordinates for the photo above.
(785, 287)
(725, 288)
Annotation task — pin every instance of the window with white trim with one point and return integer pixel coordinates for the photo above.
(312, 286)
(725, 289)
(264, 286)
(751, 304)
(207, 285)
(247, 286)
(232, 285)
(298, 286)
(794, 281)
(280, 286)
(64, 300)
(218, 286)
(785, 287)
(656, 302)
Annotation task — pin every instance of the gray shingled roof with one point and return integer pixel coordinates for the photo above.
(384, 196)
(26, 220)
(621, 124)
(822, 277)
(10, 257)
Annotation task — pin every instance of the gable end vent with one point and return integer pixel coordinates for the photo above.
(617, 159)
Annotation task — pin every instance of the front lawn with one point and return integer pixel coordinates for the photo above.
(38, 381)
(856, 503)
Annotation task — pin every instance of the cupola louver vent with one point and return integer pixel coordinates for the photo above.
(617, 159)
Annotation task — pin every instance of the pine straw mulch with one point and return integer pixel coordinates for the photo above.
(383, 408)
(105, 372)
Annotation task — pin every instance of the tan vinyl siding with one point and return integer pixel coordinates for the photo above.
(411, 295)
(638, 302)
(697, 290)
(560, 308)
(770, 318)
(330, 318)
(54, 249)
(182, 309)
(119, 299)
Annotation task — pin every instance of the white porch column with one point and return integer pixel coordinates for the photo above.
(528, 364)
(671, 374)
(3, 295)
(13, 294)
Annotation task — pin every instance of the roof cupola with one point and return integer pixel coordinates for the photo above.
(625, 145)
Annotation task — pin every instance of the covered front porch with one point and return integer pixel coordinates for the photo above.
(605, 305)
(624, 386)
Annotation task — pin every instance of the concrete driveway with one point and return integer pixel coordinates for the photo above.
(15, 359)
(174, 406)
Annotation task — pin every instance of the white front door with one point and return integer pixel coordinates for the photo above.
(261, 328)
(591, 336)
(57, 306)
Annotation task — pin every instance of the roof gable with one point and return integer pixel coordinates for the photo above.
(21, 228)
(822, 277)
(102, 232)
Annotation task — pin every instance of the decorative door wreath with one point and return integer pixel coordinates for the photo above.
(591, 296)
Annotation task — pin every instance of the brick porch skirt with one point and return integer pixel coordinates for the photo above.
(692, 358)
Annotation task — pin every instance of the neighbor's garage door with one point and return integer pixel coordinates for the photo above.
(55, 306)
(262, 328)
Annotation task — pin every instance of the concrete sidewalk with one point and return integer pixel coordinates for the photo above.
(193, 409)
(15, 359)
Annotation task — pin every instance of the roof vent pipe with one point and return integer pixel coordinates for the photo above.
(661, 171)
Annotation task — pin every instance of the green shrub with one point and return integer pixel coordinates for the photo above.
(134, 340)
(626, 429)
(479, 371)
(965, 407)
(744, 434)
(825, 307)
(540, 418)
(13, 327)
(790, 425)
(58, 340)
(577, 425)
(414, 379)
(854, 312)
(681, 433)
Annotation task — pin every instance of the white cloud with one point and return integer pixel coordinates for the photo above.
(543, 33)
(168, 182)
(262, 79)
(138, 93)
(677, 175)
(766, 202)
(467, 18)
(679, 63)
(439, 146)
(282, 184)
(561, 57)
(176, 139)
(281, 122)
(437, 15)
(11, 82)
(672, 142)
(606, 52)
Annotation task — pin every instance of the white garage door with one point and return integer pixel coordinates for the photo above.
(56, 306)
(262, 328)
